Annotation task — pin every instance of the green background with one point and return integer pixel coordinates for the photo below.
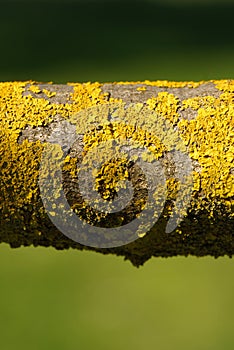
(82, 300)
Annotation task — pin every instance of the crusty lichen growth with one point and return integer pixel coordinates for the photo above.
(208, 138)
(210, 141)
(19, 162)
(110, 174)
(166, 105)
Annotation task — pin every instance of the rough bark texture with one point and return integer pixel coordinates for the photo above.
(201, 113)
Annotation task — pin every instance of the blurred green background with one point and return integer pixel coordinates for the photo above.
(82, 300)
(115, 40)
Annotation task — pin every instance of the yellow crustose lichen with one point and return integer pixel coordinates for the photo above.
(209, 138)
(19, 161)
(166, 105)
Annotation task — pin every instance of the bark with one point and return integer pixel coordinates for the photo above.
(187, 128)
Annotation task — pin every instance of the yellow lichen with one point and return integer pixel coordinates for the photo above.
(115, 131)
(224, 85)
(166, 105)
(49, 93)
(197, 102)
(19, 162)
(35, 89)
(209, 138)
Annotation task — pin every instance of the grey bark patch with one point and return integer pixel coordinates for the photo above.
(187, 113)
(63, 92)
(58, 131)
(129, 94)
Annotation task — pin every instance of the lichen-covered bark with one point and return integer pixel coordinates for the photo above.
(201, 113)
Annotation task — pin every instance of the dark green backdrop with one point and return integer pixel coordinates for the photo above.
(115, 40)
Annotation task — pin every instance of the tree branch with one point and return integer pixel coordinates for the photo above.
(172, 184)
